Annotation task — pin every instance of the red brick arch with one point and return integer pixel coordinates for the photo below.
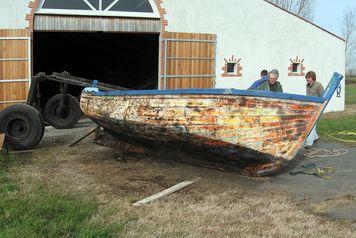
(34, 4)
(30, 17)
(162, 13)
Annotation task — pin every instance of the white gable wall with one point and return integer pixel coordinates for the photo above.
(13, 14)
(264, 37)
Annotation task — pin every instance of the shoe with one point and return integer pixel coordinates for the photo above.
(308, 147)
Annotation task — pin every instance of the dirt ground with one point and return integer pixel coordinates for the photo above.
(221, 204)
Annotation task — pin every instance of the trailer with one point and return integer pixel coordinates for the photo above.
(52, 100)
(56, 97)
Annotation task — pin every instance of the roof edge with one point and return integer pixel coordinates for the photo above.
(275, 5)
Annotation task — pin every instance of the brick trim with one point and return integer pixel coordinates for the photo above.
(164, 23)
(237, 71)
(297, 60)
(30, 17)
(162, 12)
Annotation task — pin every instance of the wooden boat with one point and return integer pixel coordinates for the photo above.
(254, 132)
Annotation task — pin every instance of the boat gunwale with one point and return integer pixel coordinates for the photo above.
(329, 91)
(217, 92)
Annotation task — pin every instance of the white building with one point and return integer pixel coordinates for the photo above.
(163, 44)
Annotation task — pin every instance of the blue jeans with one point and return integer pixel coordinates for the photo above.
(313, 136)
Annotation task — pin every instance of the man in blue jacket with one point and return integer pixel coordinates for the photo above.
(264, 77)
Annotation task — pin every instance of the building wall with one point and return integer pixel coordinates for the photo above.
(264, 37)
(13, 14)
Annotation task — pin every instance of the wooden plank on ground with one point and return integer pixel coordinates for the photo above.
(91, 131)
(166, 192)
(2, 139)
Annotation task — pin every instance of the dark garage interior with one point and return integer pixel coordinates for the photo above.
(122, 59)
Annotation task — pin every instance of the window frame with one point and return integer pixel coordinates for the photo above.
(100, 12)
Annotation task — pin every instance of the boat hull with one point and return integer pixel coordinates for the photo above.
(254, 135)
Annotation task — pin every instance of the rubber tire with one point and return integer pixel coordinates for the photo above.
(72, 112)
(43, 124)
(23, 126)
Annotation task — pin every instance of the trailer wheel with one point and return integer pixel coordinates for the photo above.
(22, 125)
(43, 124)
(62, 111)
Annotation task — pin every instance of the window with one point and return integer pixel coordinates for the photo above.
(296, 68)
(131, 8)
(66, 4)
(231, 67)
(94, 3)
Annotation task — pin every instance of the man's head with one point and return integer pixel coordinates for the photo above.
(264, 73)
(310, 77)
(273, 76)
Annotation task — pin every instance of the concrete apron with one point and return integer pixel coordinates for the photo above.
(336, 197)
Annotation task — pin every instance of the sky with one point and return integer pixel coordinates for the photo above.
(329, 14)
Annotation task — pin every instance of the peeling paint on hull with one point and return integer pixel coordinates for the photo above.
(255, 134)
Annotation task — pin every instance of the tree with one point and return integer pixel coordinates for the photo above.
(348, 33)
(303, 8)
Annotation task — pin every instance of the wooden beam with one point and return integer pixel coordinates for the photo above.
(91, 131)
(3, 146)
(166, 192)
(2, 139)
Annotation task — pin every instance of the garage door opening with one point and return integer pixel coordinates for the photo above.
(127, 60)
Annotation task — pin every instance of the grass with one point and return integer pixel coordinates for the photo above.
(54, 193)
(350, 97)
(42, 212)
(342, 126)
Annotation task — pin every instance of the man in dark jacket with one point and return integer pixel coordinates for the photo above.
(271, 84)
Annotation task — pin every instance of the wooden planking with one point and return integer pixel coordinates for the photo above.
(189, 67)
(272, 126)
(173, 83)
(94, 24)
(13, 49)
(13, 91)
(191, 49)
(190, 36)
(184, 83)
(14, 33)
(14, 65)
(198, 59)
(14, 70)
